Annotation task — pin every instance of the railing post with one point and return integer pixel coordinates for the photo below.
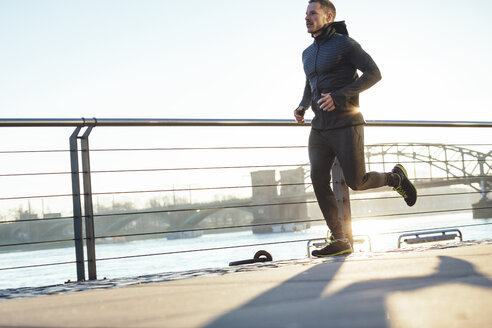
(89, 213)
(342, 195)
(77, 208)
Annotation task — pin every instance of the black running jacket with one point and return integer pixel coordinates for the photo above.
(331, 65)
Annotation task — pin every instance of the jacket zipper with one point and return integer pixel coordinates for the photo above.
(316, 68)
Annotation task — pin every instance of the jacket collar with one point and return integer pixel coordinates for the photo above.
(330, 29)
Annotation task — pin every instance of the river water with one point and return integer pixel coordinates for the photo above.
(383, 235)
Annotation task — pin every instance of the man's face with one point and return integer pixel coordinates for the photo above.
(316, 18)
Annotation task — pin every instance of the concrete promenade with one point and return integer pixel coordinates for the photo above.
(433, 286)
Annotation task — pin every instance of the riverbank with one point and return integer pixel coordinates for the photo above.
(445, 285)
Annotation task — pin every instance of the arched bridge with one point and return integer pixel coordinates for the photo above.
(436, 164)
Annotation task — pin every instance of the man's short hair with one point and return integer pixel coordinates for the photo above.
(327, 6)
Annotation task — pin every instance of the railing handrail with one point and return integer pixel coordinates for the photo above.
(81, 122)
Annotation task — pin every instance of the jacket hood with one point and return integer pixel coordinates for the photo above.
(332, 28)
(340, 27)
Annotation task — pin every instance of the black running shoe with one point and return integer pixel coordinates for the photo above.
(405, 187)
(335, 247)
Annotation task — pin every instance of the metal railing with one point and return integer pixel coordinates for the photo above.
(86, 122)
(83, 129)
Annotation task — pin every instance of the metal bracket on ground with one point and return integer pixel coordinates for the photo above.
(431, 236)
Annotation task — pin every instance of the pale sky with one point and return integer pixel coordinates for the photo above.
(221, 59)
(235, 59)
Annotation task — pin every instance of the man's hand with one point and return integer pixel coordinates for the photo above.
(299, 114)
(326, 102)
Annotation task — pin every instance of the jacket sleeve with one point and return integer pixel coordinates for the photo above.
(370, 74)
(306, 98)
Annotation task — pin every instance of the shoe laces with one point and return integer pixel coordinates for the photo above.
(331, 240)
(399, 189)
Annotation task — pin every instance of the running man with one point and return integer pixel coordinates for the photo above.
(332, 91)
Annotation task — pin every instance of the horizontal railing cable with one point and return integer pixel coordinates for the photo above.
(204, 189)
(35, 196)
(196, 148)
(232, 227)
(159, 169)
(425, 144)
(202, 208)
(38, 242)
(202, 168)
(420, 162)
(451, 178)
(245, 187)
(38, 219)
(420, 196)
(160, 190)
(202, 249)
(34, 151)
(421, 212)
(151, 149)
(37, 265)
(5, 175)
(269, 147)
(230, 148)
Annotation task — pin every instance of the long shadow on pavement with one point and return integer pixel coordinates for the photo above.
(298, 302)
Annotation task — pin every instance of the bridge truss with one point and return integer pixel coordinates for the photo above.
(436, 164)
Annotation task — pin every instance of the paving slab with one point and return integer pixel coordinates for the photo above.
(443, 286)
